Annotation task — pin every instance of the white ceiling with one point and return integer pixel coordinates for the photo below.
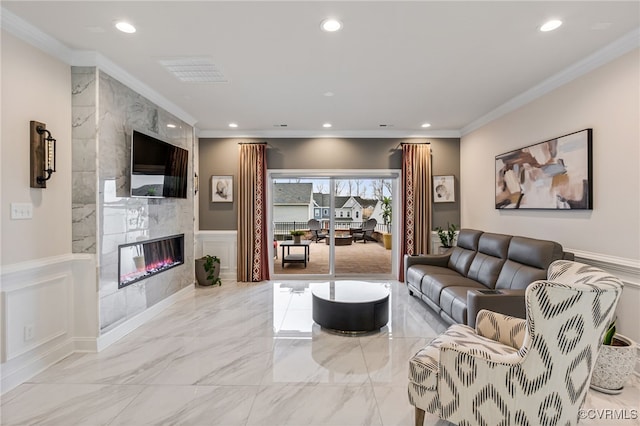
(395, 63)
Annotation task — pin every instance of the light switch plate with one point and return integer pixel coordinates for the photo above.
(21, 211)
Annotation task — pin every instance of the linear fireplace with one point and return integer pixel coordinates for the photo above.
(143, 259)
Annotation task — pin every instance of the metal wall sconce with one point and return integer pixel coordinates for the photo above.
(43, 155)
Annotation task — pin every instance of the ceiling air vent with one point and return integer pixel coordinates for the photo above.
(194, 70)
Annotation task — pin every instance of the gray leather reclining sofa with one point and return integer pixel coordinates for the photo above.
(483, 271)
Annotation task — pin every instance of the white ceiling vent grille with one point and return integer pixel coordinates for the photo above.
(194, 70)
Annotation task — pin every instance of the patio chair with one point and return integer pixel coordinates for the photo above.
(366, 232)
(316, 230)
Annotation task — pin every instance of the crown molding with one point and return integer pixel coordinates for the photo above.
(40, 40)
(93, 58)
(607, 54)
(372, 134)
(37, 38)
(28, 33)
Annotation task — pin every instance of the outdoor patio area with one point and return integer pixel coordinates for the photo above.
(355, 258)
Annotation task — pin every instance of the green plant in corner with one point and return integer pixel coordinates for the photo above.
(386, 212)
(447, 235)
(608, 335)
(296, 232)
(210, 269)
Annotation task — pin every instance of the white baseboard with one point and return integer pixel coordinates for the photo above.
(21, 369)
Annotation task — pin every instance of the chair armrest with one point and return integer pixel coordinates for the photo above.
(501, 328)
(449, 352)
(504, 301)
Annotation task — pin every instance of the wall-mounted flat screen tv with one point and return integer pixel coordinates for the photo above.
(158, 168)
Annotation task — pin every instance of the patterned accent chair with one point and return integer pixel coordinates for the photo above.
(512, 371)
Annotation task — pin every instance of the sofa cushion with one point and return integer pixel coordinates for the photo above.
(415, 273)
(468, 239)
(460, 260)
(532, 252)
(453, 300)
(465, 250)
(528, 260)
(487, 263)
(517, 276)
(432, 285)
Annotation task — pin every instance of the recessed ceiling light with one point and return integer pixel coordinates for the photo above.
(326, 125)
(328, 94)
(171, 126)
(550, 25)
(234, 125)
(331, 25)
(425, 125)
(125, 27)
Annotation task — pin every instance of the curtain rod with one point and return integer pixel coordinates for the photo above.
(253, 143)
(412, 143)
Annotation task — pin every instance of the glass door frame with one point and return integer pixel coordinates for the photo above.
(333, 174)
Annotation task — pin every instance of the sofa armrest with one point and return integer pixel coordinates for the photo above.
(426, 259)
(501, 328)
(504, 301)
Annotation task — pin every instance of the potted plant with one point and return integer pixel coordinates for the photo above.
(386, 218)
(208, 270)
(297, 235)
(447, 236)
(615, 363)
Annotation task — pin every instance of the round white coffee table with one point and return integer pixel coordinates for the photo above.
(350, 306)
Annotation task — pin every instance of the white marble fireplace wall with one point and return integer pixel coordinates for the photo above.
(104, 215)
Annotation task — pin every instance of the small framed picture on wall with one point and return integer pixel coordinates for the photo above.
(444, 189)
(221, 189)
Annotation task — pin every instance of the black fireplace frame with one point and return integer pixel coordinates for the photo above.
(179, 237)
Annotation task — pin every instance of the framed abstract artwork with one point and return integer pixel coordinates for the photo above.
(554, 175)
(221, 189)
(444, 189)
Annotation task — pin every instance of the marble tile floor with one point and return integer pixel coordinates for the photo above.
(246, 354)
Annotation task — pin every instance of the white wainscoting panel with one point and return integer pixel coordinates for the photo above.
(628, 311)
(37, 313)
(223, 244)
(40, 321)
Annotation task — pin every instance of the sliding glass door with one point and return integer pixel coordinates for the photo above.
(360, 226)
(344, 218)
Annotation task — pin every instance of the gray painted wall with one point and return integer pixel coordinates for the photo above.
(220, 156)
(445, 160)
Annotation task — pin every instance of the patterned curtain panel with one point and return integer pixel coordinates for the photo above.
(253, 262)
(416, 201)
